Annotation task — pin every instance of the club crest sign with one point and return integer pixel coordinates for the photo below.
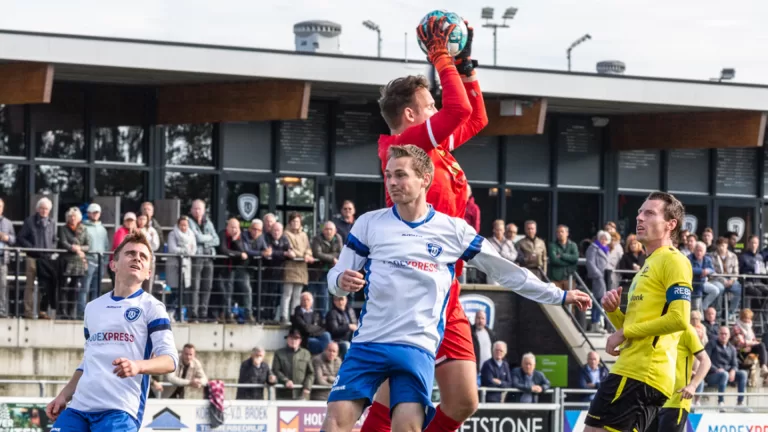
(247, 205)
(690, 223)
(736, 225)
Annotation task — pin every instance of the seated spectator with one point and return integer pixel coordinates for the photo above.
(592, 374)
(254, 371)
(700, 329)
(725, 366)
(563, 258)
(708, 237)
(751, 344)
(702, 269)
(326, 248)
(482, 339)
(495, 373)
(326, 366)
(188, 373)
(597, 262)
(74, 238)
(181, 241)
(751, 263)
(292, 366)
(234, 274)
(726, 262)
(711, 324)
(296, 274)
(528, 380)
(341, 322)
(309, 323)
(690, 244)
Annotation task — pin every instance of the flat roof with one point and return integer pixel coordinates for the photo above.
(146, 62)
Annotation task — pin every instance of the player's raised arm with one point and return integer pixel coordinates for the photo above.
(480, 253)
(465, 65)
(345, 276)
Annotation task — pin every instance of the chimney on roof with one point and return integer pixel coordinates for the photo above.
(611, 67)
(317, 36)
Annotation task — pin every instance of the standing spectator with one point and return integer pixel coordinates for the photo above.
(254, 371)
(189, 373)
(511, 233)
(751, 263)
(612, 278)
(143, 225)
(178, 269)
(708, 237)
(269, 220)
(725, 366)
(563, 258)
(75, 240)
(148, 210)
(711, 324)
(495, 373)
(528, 380)
(533, 251)
(7, 239)
(274, 248)
(251, 237)
(592, 374)
(504, 246)
(632, 260)
(234, 273)
(293, 366)
(326, 248)
(751, 344)
(129, 225)
(310, 323)
(39, 232)
(202, 268)
(346, 220)
(690, 244)
(702, 269)
(296, 274)
(340, 322)
(733, 240)
(597, 260)
(482, 339)
(326, 365)
(99, 245)
(610, 227)
(726, 262)
(472, 213)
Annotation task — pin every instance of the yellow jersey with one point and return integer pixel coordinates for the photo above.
(687, 348)
(661, 287)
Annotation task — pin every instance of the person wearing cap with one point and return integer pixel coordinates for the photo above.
(129, 225)
(293, 367)
(99, 241)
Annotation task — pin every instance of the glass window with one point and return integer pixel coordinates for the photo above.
(739, 220)
(301, 193)
(67, 182)
(12, 130)
(488, 201)
(629, 205)
(188, 187)
(580, 212)
(13, 187)
(189, 144)
(119, 144)
(127, 184)
(57, 127)
(529, 205)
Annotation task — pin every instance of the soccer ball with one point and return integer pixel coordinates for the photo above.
(458, 38)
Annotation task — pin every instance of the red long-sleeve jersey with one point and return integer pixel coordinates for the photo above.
(461, 117)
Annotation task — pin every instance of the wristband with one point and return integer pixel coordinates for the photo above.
(565, 294)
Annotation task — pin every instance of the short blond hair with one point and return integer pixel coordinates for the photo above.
(420, 161)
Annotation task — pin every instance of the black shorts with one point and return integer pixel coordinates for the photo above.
(624, 404)
(670, 420)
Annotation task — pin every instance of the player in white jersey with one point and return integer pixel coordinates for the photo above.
(408, 253)
(127, 338)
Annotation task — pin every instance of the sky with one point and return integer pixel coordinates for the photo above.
(691, 39)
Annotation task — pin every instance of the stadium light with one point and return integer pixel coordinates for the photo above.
(370, 25)
(487, 14)
(576, 43)
(726, 74)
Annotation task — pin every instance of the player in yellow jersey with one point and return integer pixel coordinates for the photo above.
(658, 310)
(673, 416)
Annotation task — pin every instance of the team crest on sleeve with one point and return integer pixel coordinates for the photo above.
(132, 314)
(434, 249)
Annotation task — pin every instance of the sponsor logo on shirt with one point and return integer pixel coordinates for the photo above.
(409, 235)
(132, 314)
(111, 337)
(638, 297)
(114, 307)
(418, 265)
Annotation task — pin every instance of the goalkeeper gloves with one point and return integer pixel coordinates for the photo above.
(464, 63)
(435, 38)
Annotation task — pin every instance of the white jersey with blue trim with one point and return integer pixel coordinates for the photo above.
(409, 268)
(134, 327)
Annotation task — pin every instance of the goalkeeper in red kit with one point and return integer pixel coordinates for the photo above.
(409, 110)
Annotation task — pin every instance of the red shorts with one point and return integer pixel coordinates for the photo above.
(457, 339)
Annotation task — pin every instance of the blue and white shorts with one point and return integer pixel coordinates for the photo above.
(71, 420)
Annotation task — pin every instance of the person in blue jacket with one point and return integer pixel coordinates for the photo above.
(495, 373)
(702, 271)
(528, 380)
